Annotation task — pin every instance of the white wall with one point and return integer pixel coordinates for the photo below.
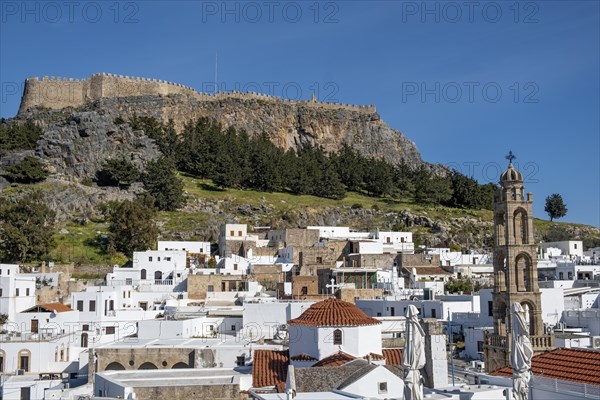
(318, 341)
(568, 247)
(588, 319)
(368, 385)
(12, 281)
(553, 304)
(267, 316)
(190, 247)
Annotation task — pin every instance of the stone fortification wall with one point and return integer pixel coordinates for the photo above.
(58, 93)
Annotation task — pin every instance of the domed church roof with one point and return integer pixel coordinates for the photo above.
(334, 312)
(511, 174)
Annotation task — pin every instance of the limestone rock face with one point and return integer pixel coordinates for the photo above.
(77, 146)
(287, 124)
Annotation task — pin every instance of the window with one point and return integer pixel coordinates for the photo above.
(561, 276)
(85, 327)
(480, 346)
(337, 336)
(240, 361)
(167, 258)
(1, 362)
(128, 281)
(319, 260)
(231, 233)
(433, 313)
(27, 292)
(79, 305)
(210, 288)
(24, 360)
(149, 258)
(110, 330)
(235, 267)
(304, 290)
(143, 274)
(158, 259)
(17, 292)
(0, 292)
(233, 328)
(570, 275)
(239, 233)
(575, 246)
(92, 305)
(382, 386)
(379, 314)
(143, 305)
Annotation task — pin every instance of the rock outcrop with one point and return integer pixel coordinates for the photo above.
(76, 146)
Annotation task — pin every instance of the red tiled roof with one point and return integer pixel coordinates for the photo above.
(302, 357)
(575, 365)
(335, 360)
(334, 312)
(48, 307)
(374, 357)
(392, 356)
(270, 368)
(57, 307)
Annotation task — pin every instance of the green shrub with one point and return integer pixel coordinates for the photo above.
(30, 170)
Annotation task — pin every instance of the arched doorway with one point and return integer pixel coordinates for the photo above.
(158, 275)
(143, 274)
(180, 365)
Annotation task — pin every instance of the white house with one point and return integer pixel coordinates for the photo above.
(17, 291)
(395, 241)
(331, 326)
(572, 248)
(189, 246)
(160, 267)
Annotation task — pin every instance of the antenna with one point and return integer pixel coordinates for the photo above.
(216, 72)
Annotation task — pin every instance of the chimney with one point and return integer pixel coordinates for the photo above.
(290, 383)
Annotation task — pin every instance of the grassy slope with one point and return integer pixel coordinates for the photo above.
(80, 244)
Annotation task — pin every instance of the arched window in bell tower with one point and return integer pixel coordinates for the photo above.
(520, 226)
(523, 273)
(500, 228)
(529, 310)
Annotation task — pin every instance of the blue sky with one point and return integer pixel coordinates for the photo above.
(465, 82)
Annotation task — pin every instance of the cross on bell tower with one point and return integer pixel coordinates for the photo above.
(515, 269)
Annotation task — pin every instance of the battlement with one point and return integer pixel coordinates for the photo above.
(58, 92)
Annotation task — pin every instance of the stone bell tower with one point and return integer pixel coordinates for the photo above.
(515, 270)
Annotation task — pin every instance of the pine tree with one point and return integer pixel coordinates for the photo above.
(162, 183)
(555, 206)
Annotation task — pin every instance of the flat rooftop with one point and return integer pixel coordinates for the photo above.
(176, 377)
(227, 341)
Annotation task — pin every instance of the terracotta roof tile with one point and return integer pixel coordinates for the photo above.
(58, 307)
(392, 356)
(334, 312)
(335, 360)
(270, 368)
(374, 357)
(575, 365)
(49, 307)
(302, 357)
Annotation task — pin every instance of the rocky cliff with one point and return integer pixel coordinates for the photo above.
(287, 124)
